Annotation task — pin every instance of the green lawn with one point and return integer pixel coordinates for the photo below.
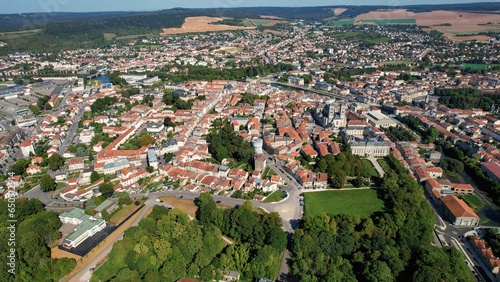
(475, 66)
(337, 23)
(373, 172)
(268, 172)
(473, 201)
(276, 196)
(389, 21)
(359, 202)
(383, 164)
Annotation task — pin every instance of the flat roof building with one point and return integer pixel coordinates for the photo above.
(87, 226)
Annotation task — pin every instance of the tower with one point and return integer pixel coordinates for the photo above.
(258, 143)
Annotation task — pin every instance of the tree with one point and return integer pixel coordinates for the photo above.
(207, 212)
(55, 161)
(106, 189)
(94, 176)
(47, 183)
(150, 169)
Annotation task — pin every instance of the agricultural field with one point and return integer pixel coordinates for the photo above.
(17, 34)
(389, 21)
(358, 202)
(201, 24)
(450, 23)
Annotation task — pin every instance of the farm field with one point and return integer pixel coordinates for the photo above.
(201, 24)
(389, 21)
(17, 34)
(358, 202)
(337, 23)
(449, 22)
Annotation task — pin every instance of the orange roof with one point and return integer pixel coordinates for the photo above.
(458, 207)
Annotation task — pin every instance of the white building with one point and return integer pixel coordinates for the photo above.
(27, 148)
(87, 226)
(378, 119)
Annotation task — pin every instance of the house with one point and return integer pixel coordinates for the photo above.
(27, 148)
(485, 253)
(61, 174)
(33, 169)
(491, 169)
(458, 212)
(77, 163)
(16, 181)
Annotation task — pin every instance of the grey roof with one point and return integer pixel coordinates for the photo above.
(116, 164)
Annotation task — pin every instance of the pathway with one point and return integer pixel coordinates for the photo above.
(377, 166)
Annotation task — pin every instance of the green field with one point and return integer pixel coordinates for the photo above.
(475, 66)
(337, 23)
(384, 165)
(358, 202)
(388, 21)
(276, 196)
(473, 201)
(345, 35)
(149, 46)
(17, 34)
(373, 172)
(378, 40)
(256, 22)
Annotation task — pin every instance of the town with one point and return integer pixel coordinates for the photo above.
(274, 117)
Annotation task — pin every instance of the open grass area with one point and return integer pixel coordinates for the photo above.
(475, 66)
(383, 164)
(109, 36)
(345, 35)
(337, 23)
(372, 171)
(120, 215)
(256, 22)
(185, 205)
(378, 40)
(17, 34)
(276, 196)
(268, 172)
(473, 201)
(359, 202)
(397, 62)
(407, 21)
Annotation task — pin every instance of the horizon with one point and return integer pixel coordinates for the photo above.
(79, 6)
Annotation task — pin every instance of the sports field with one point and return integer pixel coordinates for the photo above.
(359, 202)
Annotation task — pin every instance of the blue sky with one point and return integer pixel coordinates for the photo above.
(26, 6)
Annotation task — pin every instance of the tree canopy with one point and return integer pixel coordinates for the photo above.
(167, 245)
(390, 246)
(36, 230)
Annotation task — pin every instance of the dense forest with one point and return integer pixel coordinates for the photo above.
(466, 98)
(394, 245)
(167, 245)
(36, 232)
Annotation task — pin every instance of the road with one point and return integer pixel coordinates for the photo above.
(455, 236)
(74, 127)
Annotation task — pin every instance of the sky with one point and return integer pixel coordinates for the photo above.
(28, 6)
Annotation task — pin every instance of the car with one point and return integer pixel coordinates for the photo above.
(218, 202)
